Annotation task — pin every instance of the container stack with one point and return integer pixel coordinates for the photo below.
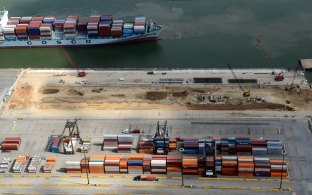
(11, 143)
(93, 26)
(259, 147)
(107, 18)
(127, 30)
(201, 166)
(25, 20)
(84, 164)
(278, 168)
(172, 144)
(13, 20)
(116, 30)
(146, 145)
(161, 145)
(37, 18)
(110, 143)
(123, 165)
(210, 164)
(96, 163)
(70, 27)
(46, 31)
(105, 25)
(48, 19)
(21, 31)
(73, 167)
(262, 167)
(174, 164)
(190, 146)
(190, 165)
(223, 147)
(147, 165)
(243, 146)
(9, 32)
(159, 164)
(105, 29)
(139, 25)
(82, 26)
(229, 165)
(48, 166)
(124, 143)
(246, 166)
(112, 163)
(19, 164)
(218, 164)
(33, 29)
(34, 164)
(275, 147)
(135, 164)
(56, 141)
(58, 25)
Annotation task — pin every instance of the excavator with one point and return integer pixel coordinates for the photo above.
(80, 73)
(246, 93)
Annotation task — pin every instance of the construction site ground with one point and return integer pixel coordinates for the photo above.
(41, 92)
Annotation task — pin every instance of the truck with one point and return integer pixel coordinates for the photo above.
(145, 178)
(34, 164)
(4, 164)
(130, 131)
(279, 77)
(48, 166)
(19, 163)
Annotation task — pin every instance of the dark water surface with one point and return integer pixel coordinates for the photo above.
(199, 34)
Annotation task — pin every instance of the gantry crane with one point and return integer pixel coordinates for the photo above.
(73, 132)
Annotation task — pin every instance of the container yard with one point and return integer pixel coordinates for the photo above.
(90, 144)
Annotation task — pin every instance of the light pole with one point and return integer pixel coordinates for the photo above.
(84, 154)
(182, 178)
(281, 180)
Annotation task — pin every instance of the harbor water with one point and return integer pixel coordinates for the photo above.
(198, 34)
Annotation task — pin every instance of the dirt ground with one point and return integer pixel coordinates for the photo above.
(134, 97)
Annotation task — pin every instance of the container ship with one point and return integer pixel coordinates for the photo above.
(47, 31)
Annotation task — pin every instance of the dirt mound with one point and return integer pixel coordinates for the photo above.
(181, 94)
(118, 95)
(75, 92)
(50, 91)
(156, 95)
(97, 90)
(253, 106)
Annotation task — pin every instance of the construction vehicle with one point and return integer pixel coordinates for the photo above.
(130, 131)
(292, 85)
(145, 178)
(279, 77)
(290, 107)
(246, 93)
(80, 73)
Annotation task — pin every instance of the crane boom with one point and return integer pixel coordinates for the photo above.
(72, 63)
(245, 93)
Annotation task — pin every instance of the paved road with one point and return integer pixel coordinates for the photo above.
(122, 184)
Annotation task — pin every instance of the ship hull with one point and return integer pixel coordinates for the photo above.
(79, 42)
